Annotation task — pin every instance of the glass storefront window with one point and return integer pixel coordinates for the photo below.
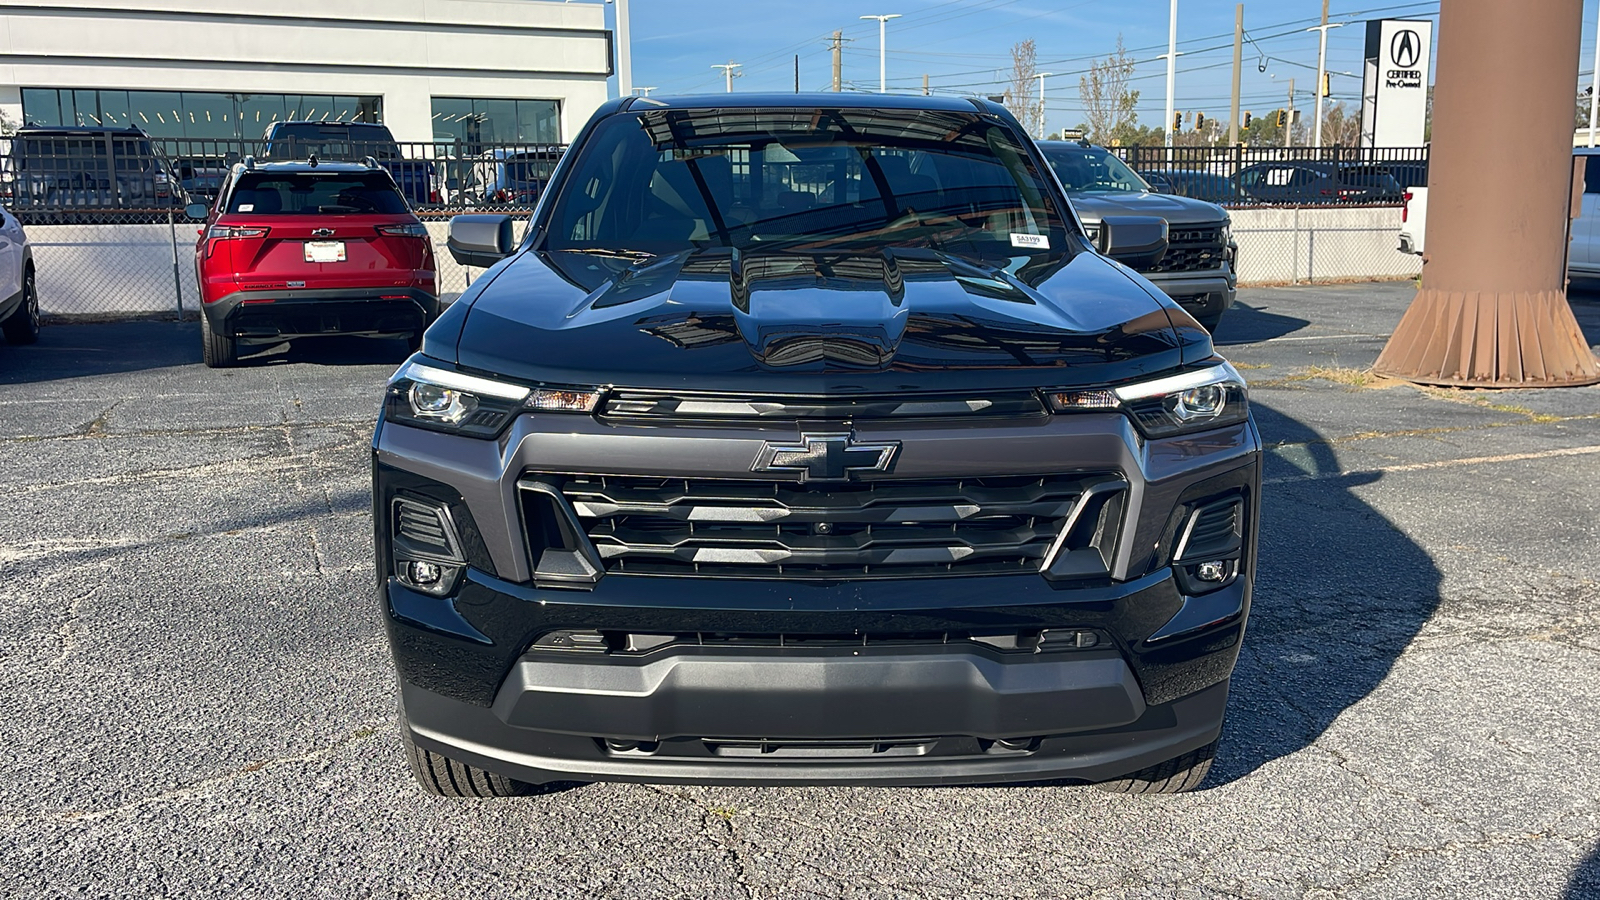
(470, 123)
(191, 114)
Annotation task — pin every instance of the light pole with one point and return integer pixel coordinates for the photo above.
(624, 52)
(1322, 71)
(1172, 72)
(1042, 129)
(1594, 90)
(883, 65)
(727, 69)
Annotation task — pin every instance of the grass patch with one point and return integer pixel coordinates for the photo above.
(725, 813)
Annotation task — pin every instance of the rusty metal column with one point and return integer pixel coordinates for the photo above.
(1493, 310)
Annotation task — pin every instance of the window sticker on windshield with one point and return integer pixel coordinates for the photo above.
(1031, 241)
(247, 207)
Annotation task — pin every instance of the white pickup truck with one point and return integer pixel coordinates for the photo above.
(1414, 220)
(1583, 257)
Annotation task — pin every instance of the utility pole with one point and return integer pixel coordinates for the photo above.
(727, 69)
(1172, 72)
(797, 73)
(1322, 70)
(1288, 118)
(1238, 57)
(1042, 129)
(883, 49)
(624, 52)
(838, 61)
(1594, 89)
(926, 92)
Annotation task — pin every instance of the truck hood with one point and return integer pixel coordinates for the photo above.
(803, 323)
(1092, 206)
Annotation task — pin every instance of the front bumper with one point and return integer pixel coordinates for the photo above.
(1205, 294)
(272, 316)
(918, 711)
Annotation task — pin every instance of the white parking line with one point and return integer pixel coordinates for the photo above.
(1306, 337)
(1441, 464)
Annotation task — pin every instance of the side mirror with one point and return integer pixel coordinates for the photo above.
(196, 211)
(482, 240)
(1137, 242)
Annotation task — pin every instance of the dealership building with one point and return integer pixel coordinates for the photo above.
(431, 70)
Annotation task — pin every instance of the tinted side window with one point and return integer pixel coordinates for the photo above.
(1591, 174)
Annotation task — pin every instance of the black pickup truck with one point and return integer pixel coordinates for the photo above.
(809, 439)
(352, 142)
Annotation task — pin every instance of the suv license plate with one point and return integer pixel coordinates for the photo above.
(324, 251)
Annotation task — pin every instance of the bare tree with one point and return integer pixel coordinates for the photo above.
(1020, 96)
(1107, 100)
(1339, 128)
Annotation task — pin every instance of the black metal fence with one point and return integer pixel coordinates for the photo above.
(1283, 176)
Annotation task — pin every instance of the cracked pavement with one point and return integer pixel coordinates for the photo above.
(199, 701)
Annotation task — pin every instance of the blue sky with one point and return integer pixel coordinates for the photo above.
(963, 45)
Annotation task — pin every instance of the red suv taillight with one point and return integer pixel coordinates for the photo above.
(415, 229)
(226, 232)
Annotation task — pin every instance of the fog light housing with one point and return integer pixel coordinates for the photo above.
(1213, 571)
(424, 574)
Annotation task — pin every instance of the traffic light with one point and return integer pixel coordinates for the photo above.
(1177, 122)
(1280, 118)
(1199, 121)
(1247, 118)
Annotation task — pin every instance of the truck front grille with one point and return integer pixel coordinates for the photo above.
(1192, 250)
(759, 529)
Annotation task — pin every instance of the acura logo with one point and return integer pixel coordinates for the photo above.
(826, 457)
(1405, 48)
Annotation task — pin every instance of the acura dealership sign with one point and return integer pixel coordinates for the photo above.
(1394, 88)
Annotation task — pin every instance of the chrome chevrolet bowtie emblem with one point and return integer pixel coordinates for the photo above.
(322, 232)
(826, 457)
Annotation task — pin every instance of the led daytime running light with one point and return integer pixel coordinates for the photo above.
(1172, 384)
(415, 371)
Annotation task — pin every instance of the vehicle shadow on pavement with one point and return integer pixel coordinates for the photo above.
(1340, 593)
(325, 351)
(1585, 883)
(1246, 324)
(79, 350)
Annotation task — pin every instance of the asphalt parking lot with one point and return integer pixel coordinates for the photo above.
(198, 700)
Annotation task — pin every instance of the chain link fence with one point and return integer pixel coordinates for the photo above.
(110, 236)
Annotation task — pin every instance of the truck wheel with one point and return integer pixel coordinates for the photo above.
(1175, 776)
(218, 351)
(444, 777)
(22, 326)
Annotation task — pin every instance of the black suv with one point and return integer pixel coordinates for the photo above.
(1198, 270)
(809, 439)
(82, 168)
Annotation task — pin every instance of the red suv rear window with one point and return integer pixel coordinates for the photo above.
(309, 194)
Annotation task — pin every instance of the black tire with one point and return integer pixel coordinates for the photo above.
(218, 351)
(444, 777)
(1175, 776)
(22, 326)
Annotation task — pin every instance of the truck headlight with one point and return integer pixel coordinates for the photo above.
(1196, 400)
(445, 400)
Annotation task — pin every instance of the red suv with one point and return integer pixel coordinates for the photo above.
(300, 249)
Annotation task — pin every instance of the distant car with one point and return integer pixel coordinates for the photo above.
(59, 168)
(19, 298)
(1197, 270)
(418, 179)
(201, 177)
(295, 249)
(1299, 182)
(1212, 187)
(515, 176)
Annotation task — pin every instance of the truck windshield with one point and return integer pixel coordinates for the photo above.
(1091, 169)
(665, 181)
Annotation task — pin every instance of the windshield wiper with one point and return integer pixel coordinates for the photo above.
(613, 253)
